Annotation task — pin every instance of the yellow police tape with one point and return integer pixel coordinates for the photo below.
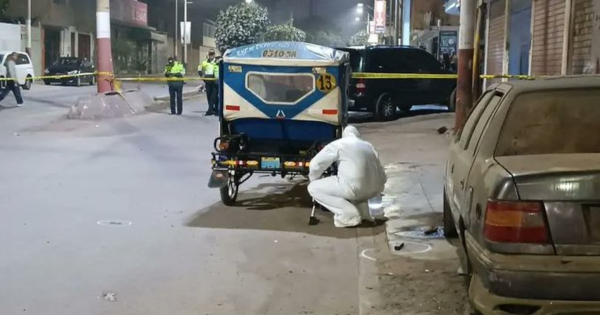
(360, 75)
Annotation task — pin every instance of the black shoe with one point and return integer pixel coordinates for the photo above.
(208, 114)
(171, 114)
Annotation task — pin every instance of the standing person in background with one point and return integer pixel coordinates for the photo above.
(174, 71)
(209, 70)
(12, 85)
(454, 62)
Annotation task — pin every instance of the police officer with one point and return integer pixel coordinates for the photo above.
(175, 71)
(209, 69)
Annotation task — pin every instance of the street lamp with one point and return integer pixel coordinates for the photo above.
(29, 28)
(360, 9)
(176, 28)
(185, 31)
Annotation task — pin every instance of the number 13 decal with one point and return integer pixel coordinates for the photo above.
(326, 83)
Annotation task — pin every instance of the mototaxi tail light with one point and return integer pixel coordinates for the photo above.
(515, 222)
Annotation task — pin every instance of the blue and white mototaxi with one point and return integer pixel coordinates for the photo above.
(280, 103)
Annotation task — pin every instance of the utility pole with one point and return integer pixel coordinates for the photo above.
(105, 66)
(176, 39)
(397, 22)
(464, 101)
(28, 48)
(185, 32)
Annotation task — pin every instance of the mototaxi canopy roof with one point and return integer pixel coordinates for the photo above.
(286, 54)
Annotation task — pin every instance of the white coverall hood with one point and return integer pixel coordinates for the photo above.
(350, 131)
(360, 178)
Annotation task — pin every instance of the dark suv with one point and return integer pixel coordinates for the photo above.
(383, 96)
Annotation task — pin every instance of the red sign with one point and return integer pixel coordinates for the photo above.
(379, 17)
(129, 11)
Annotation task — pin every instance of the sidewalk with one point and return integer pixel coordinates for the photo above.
(418, 273)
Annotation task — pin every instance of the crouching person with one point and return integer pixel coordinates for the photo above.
(360, 177)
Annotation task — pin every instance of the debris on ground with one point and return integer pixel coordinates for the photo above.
(430, 230)
(442, 130)
(109, 296)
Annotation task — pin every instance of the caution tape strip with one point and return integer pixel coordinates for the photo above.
(359, 75)
(387, 76)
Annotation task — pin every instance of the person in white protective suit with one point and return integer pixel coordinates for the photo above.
(360, 177)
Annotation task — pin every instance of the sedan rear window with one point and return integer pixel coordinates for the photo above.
(552, 122)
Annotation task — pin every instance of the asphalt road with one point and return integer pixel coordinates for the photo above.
(115, 217)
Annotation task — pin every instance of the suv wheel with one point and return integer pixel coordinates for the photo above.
(385, 109)
(452, 101)
(28, 82)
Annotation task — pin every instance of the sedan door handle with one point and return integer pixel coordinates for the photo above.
(462, 184)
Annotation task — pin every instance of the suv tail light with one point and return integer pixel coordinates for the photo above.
(361, 87)
(515, 222)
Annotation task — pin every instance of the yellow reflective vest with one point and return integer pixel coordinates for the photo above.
(176, 70)
(209, 69)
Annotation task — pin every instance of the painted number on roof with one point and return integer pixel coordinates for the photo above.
(271, 53)
(326, 83)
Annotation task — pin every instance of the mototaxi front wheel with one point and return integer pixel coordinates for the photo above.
(229, 192)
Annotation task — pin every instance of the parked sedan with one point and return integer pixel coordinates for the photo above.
(523, 194)
(73, 68)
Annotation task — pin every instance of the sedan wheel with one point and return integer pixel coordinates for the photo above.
(449, 225)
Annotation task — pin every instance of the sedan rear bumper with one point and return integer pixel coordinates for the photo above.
(540, 277)
(489, 303)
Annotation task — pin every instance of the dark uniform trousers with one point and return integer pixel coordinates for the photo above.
(176, 97)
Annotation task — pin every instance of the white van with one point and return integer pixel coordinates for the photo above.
(24, 67)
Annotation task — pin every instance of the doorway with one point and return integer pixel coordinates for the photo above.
(51, 46)
(519, 37)
(84, 46)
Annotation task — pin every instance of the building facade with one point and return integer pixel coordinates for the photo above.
(62, 27)
(142, 31)
(540, 37)
(433, 29)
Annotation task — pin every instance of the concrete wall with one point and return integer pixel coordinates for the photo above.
(36, 47)
(10, 37)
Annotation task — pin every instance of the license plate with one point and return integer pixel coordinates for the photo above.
(270, 163)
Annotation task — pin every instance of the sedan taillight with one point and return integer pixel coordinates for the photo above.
(515, 222)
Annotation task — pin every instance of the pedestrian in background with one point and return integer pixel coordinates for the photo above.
(454, 62)
(12, 84)
(209, 70)
(175, 71)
